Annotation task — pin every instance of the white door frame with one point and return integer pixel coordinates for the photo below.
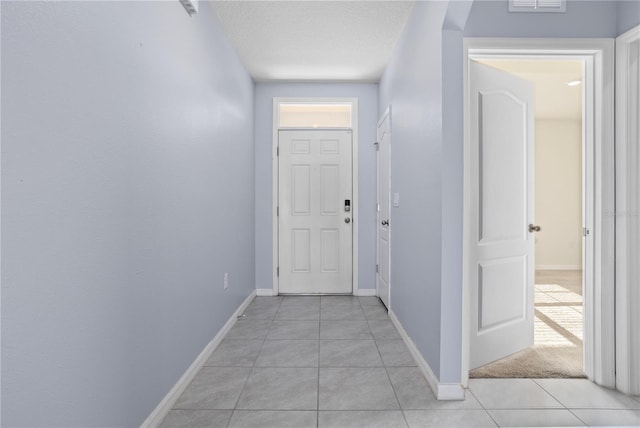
(627, 218)
(598, 152)
(275, 186)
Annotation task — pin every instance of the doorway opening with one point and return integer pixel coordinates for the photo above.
(315, 205)
(486, 282)
(557, 350)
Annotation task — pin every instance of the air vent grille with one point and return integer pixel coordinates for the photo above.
(537, 5)
(191, 6)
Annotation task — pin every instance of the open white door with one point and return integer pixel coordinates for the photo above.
(315, 221)
(502, 125)
(384, 179)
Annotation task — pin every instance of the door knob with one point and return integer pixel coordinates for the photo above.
(385, 222)
(347, 220)
(534, 228)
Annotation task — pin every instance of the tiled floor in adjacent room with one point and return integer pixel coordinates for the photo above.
(338, 361)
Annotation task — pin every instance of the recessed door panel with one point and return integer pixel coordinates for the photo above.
(502, 165)
(330, 250)
(300, 250)
(496, 284)
(329, 189)
(301, 147)
(329, 147)
(301, 189)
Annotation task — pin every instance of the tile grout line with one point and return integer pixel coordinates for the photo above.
(253, 366)
(386, 371)
(558, 400)
(483, 408)
(553, 396)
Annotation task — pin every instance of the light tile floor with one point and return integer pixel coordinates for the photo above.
(338, 361)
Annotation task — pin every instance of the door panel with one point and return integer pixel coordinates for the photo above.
(300, 190)
(495, 284)
(502, 124)
(503, 153)
(384, 183)
(315, 241)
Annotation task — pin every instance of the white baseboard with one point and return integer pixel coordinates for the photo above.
(442, 391)
(161, 410)
(365, 292)
(450, 391)
(264, 292)
(558, 267)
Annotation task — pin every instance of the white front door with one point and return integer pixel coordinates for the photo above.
(384, 180)
(502, 272)
(315, 211)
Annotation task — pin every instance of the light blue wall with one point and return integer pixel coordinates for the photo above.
(490, 18)
(628, 14)
(452, 191)
(127, 192)
(367, 124)
(412, 85)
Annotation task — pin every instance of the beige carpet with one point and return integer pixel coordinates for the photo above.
(535, 362)
(557, 352)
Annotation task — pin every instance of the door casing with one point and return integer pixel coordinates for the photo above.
(628, 222)
(597, 58)
(276, 187)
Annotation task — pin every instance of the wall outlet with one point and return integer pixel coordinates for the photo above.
(226, 280)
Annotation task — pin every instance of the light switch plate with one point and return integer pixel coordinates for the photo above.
(396, 199)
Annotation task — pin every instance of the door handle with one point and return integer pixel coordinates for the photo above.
(385, 222)
(534, 228)
(347, 220)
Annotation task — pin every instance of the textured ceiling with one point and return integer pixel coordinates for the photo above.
(314, 40)
(554, 98)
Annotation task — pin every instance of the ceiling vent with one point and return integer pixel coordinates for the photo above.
(537, 5)
(191, 6)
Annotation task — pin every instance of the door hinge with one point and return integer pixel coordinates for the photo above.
(278, 271)
(585, 231)
(377, 268)
(278, 151)
(277, 211)
(377, 144)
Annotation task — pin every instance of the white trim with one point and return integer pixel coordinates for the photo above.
(354, 182)
(558, 267)
(264, 292)
(161, 410)
(365, 292)
(597, 57)
(442, 391)
(627, 220)
(450, 392)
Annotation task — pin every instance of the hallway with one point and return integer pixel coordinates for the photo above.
(338, 361)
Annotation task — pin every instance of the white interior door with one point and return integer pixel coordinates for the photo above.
(315, 203)
(384, 181)
(502, 274)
